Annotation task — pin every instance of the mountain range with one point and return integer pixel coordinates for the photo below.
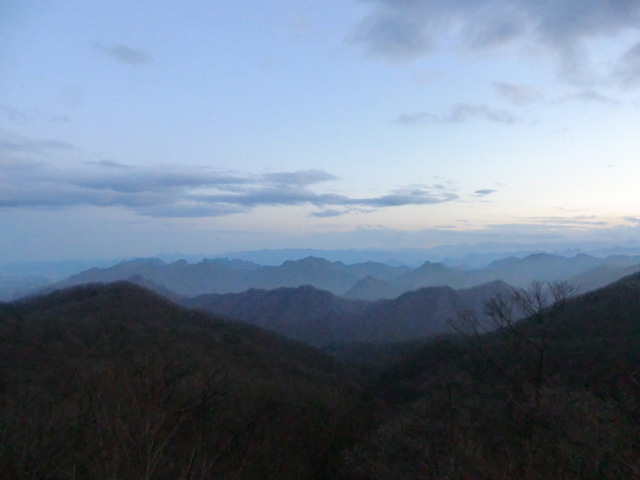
(114, 381)
(320, 318)
(365, 281)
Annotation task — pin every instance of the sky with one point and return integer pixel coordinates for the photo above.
(132, 128)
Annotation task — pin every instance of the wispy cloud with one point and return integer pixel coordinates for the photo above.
(300, 178)
(329, 213)
(15, 115)
(459, 113)
(518, 94)
(108, 164)
(18, 145)
(137, 180)
(22, 116)
(171, 191)
(421, 196)
(525, 95)
(291, 195)
(483, 192)
(190, 210)
(576, 221)
(587, 96)
(123, 53)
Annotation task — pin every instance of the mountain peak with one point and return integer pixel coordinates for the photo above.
(310, 260)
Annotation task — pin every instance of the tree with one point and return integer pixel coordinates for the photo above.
(516, 334)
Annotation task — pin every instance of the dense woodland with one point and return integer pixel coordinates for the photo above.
(116, 382)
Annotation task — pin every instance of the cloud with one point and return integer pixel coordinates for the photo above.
(587, 96)
(286, 195)
(627, 70)
(146, 179)
(17, 145)
(179, 192)
(22, 116)
(190, 210)
(518, 94)
(422, 196)
(484, 192)
(577, 221)
(123, 53)
(524, 94)
(55, 195)
(459, 113)
(15, 115)
(328, 213)
(403, 30)
(108, 164)
(635, 220)
(300, 178)
(394, 35)
(281, 196)
(30, 178)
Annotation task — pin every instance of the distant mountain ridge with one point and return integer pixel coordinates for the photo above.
(228, 276)
(320, 318)
(367, 281)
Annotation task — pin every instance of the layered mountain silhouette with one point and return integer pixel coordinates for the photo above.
(365, 281)
(320, 318)
(369, 288)
(225, 276)
(114, 381)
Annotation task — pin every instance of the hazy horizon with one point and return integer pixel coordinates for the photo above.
(471, 255)
(210, 127)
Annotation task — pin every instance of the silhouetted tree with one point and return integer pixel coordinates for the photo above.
(517, 338)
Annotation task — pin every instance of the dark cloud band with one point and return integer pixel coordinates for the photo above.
(176, 193)
(404, 30)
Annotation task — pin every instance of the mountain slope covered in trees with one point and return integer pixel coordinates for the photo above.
(116, 382)
(553, 396)
(113, 381)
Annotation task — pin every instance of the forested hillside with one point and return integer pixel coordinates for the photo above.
(105, 382)
(114, 381)
(554, 396)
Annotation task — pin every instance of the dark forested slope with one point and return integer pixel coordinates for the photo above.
(556, 395)
(116, 382)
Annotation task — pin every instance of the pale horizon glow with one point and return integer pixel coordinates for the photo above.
(206, 127)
